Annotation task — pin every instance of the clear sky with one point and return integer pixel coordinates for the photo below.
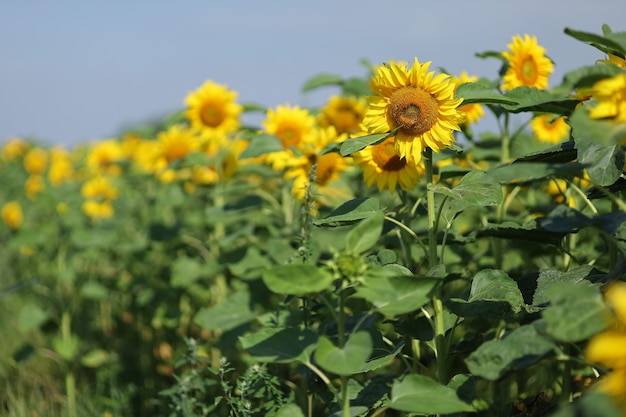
(78, 70)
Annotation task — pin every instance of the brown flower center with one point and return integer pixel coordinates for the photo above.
(212, 116)
(384, 155)
(413, 109)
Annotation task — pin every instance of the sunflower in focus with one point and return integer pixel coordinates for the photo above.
(417, 103)
(473, 112)
(550, 128)
(382, 165)
(213, 108)
(344, 113)
(323, 169)
(12, 215)
(608, 348)
(610, 94)
(528, 64)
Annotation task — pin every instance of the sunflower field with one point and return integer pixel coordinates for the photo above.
(372, 257)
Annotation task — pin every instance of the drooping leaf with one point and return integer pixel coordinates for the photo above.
(365, 234)
(280, 345)
(479, 93)
(421, 394)
(536, 100)
(297, 279)
(522, 172)
(518, 349)
(350, 212)
(356, 144)
(321, 80)
(350, 359)
(611, 42)
(561, 153)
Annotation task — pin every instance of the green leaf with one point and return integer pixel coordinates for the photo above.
(95, 358)
(521, 172)
(576, 312)
(94, 291)
(289, 410)
(353, 145)
(261, 145)
(348, 360)
(381, 355)
(476, 189)
(280, 345)
(232, 312)
(350, 212)
(533, 99)
(297, 279)
(586, 77)
(321, 80)
(421, 394)
(66, 347)
(529, 232)
(611, 42)
(252, 107)
(393, 295)
(31, 316)
(561, 153)
(185, 271)
(518, 349)
(549, 277)
(479, 93)
(492, 295)
(365, 235)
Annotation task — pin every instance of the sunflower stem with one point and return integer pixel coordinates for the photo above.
(433, 260)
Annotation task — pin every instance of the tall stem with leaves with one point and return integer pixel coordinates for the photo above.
(433, 261)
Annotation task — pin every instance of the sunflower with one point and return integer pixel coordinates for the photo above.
(212, 108)
(292, 125)
(36, 161)
(99, 188)
(473, 112)
(610, 94)
(328, 166)
(98, 209)
(550, 128)
(13, 149)
(177, 142)
(344, 113)
(104, 157)
(608, 348)
(614, 60)
(34, 185)
(61, 167)
(12, 215)
(417, 103)
(382, 165)
(528, 64)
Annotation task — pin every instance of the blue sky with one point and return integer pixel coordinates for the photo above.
(73, 71)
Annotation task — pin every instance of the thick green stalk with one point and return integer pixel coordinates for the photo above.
(70, 381)
(433, 260)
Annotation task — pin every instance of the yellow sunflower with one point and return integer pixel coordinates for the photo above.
(528, 64)
(212, 108)
(36, 161)
(608, 348)
(292, 125)
(61, 167)
(177, 142)
(610, 94)
(13, 149)
(98, 209)
(104, 157)
(99, 188)
(417, 102)
(344, 113)
(327, 166)
(12, 214)
(34, 185)
(473, 112)
(382, 165)
(550, 128)
(614, 60)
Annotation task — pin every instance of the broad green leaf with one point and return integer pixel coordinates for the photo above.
(185, 271)
(94, 290)
(95, 358)
(289, 410)
(321, 80)
(479, 93)
(297, 279)
(529, 232)
(611, 42)
(421, 394)
(350, 212)
(521, 172)
(280, 345)
(576, 312)
(31, 316)
(365, 234)
(492, 295)
(234, 311)
(586, 77)
(533, 99)
(561, 153)
(549, 277)
(348, 360)
(476, 189)
(393, 295)
(251, 266)
(262, 144)
(518, 349)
